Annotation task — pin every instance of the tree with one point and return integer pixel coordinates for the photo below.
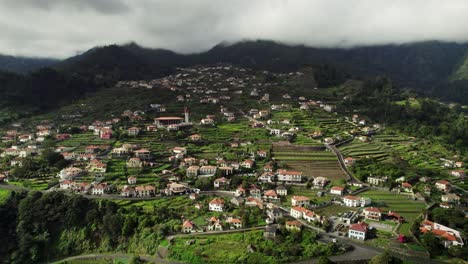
(384, 258)
(324, 260)
(431, 243)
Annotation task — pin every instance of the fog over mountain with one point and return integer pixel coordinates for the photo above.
(63, 28)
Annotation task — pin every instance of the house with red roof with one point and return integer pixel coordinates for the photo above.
(358, 231)
(443, 185)
(145, 191)
(127, 191)
(67, 184)
(458, 173)
(395, 217)
(373, 213)
(337, 190)
(448, 236)
(252, 201)
(406, 187)
(302, 201)
(214, 224)
(216, 205)
(289, 176)
(293, 225)
(248, 164)
(221, 182)
(188, 227)
(235, 223)
(133, 131)
(352, 201)
(270, 195)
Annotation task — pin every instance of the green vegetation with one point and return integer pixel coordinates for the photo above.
(64, 225)
(234, 248)
(4, 194)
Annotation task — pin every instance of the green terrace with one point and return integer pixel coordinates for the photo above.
(306, 156)
(309, 162)
(80, 141)
(401, 204)
(310, 193)
(358, 149)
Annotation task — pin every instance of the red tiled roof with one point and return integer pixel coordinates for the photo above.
(337, 188)
(300, 198)
(373, 209)
(293, 223)
(350, 197)
(217, 201)
(445, 182)
(285, 172)
(188, 224)
(361, 227)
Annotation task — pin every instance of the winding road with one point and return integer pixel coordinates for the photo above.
(340, 157)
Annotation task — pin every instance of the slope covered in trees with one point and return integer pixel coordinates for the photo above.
(38, 227)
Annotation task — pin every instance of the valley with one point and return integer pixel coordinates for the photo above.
(156, 167)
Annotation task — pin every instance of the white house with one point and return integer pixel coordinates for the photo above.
(281, 190)
(450, 237)
(216, 205)
(358, 231)
(221, 182)
(337, 190)
(289, 176)
(442, 185)
(300, 201)
(352, 201)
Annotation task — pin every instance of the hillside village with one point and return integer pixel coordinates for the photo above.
(244, 157)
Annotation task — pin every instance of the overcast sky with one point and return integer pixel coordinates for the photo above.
(62, 28)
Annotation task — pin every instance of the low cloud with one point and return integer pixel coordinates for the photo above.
(61, 28)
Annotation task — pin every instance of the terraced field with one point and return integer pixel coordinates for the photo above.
(358, 149)
(80, 141)
(310, 161)
(403, 205)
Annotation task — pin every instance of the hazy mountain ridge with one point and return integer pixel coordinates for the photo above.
(24, 64)
(432, 68)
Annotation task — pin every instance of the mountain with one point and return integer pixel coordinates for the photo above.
(115, 62)
(422, 66)
(23, 64)
(433, 68)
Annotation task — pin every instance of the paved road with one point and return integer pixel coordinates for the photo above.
(151, 259)
(342, 163)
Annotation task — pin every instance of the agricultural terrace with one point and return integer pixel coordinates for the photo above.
(311, 193)
(334, 210)
(357, 149)
(185, 207)
(401, 204)
(310, 161)
(310, 121)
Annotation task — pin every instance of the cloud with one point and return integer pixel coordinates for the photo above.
(61, 28)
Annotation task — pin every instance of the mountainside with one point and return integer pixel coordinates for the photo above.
(423, 66)
(116, 63)
(22, 64)
(431, 68)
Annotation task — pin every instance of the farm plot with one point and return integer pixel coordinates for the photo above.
(311, 162)
(403, 205)
(360, 150)
(80, 141)
(311, 193)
